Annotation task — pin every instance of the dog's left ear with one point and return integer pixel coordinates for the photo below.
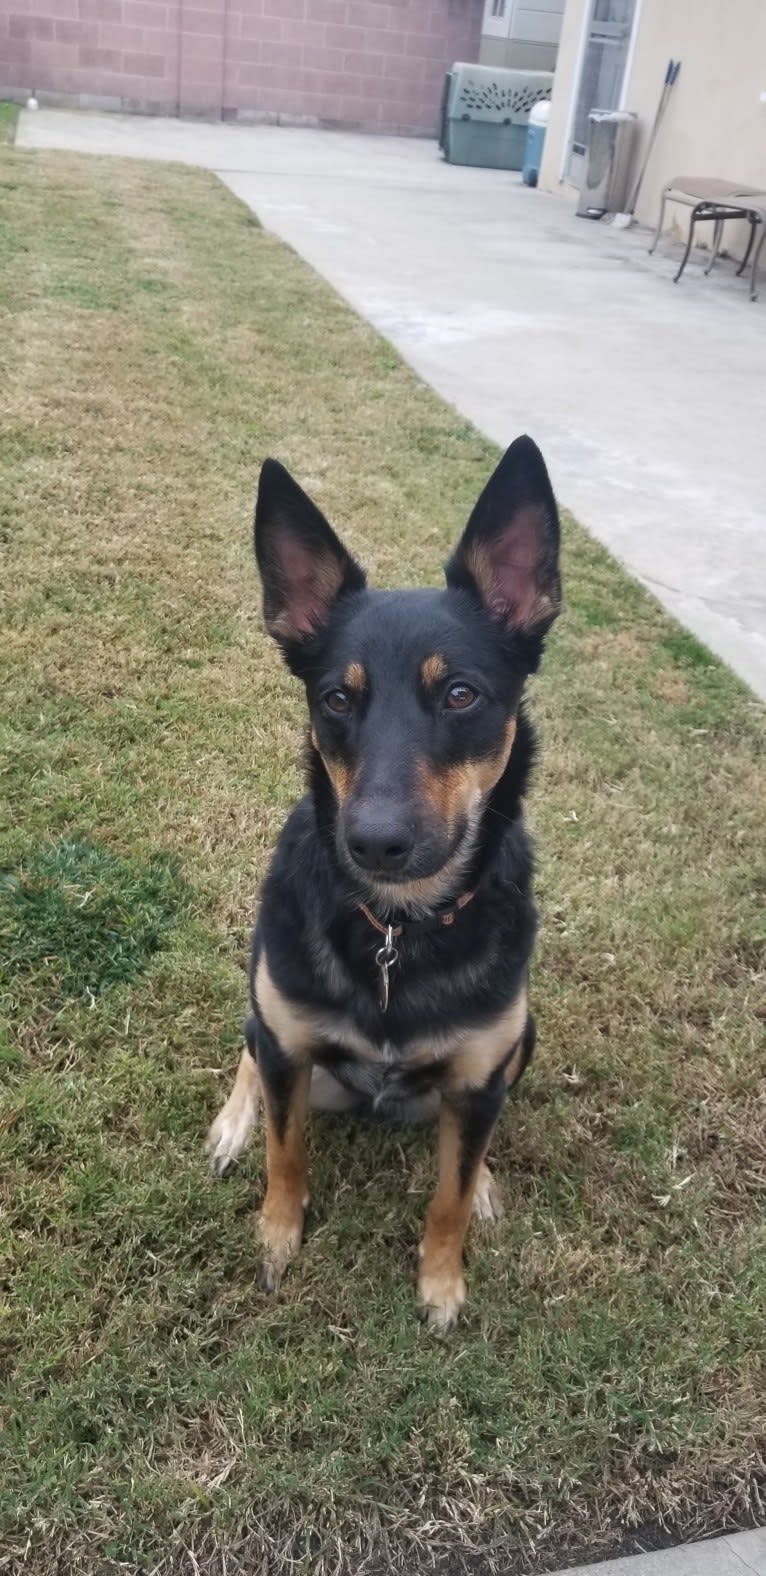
(508, 553)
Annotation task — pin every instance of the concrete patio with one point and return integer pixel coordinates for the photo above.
(744, 1554)
(647, 397)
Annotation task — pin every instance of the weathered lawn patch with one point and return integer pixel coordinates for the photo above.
(154, 1409)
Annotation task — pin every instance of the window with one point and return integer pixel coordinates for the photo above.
(496, 22)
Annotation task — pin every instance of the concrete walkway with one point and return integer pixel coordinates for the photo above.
(743, 1553)
(648, 399)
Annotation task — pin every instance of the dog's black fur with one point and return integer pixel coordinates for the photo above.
(321, 948)
(413, 801)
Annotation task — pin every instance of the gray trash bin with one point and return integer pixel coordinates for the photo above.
(611, 134)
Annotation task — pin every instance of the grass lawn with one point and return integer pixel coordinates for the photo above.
(156, 1412)
(9, 114)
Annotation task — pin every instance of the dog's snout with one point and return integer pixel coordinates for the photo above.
(378, 838)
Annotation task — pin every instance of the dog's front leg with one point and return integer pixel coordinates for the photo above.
(285, 1081)
(467, 1118)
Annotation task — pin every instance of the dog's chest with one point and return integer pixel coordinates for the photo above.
(343, 1031)
(339, 1037)
(385, 1073)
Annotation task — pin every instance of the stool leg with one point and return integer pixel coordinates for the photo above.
(746, 259)
(758, 250)
(717, 238)
(692, 221)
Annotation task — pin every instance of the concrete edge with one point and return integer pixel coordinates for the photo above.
(732, 1554)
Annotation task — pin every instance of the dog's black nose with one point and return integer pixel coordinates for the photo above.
(378, 839)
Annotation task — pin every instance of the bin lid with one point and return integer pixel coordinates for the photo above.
(611, 114)
(539, 113)
(496, 95)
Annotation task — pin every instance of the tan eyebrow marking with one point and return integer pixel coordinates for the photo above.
(433, 670)
(355, 678)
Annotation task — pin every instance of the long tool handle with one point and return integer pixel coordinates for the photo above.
(671, 76)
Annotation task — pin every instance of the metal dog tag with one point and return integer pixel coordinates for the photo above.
(385, 958)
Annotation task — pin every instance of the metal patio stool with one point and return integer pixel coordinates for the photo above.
(756, 213)
(716, 200)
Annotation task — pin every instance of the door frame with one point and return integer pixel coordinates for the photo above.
(585, 26)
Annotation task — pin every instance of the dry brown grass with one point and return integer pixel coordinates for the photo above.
(157, 1414)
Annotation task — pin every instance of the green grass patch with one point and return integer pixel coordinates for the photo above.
(156, 1413)
(9, 114)
(76, 919)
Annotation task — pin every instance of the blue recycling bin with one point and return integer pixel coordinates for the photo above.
(533, 150)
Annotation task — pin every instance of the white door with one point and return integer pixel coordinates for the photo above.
(602, 73)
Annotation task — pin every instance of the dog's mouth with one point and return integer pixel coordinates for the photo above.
(417, 878)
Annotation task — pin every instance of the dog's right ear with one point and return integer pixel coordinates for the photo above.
(304, 567)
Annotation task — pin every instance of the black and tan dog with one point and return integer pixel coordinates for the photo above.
(390, 959)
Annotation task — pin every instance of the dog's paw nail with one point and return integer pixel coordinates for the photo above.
(441, 1299)
(487, 1199)
(269, 1278)
(489, 1209)
(222, 1166)
(441, 1321)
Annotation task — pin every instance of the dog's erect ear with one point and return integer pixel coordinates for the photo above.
(508, 553)
(303, 566)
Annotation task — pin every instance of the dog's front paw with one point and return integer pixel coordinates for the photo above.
(281, 1231)
(229, 1134)
(441, 1294)
(487, 1198)
(227, 1140)
(441, 1285)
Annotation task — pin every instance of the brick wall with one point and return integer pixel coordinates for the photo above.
(123, 51)
(374, 64)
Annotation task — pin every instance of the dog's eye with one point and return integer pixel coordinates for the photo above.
(459, 697)
(338, 702)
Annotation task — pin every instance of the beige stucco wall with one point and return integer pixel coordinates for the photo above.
(714, 124)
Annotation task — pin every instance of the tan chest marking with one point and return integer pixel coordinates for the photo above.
(473, 1053)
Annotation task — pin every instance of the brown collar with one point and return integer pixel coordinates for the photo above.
(447, 918)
